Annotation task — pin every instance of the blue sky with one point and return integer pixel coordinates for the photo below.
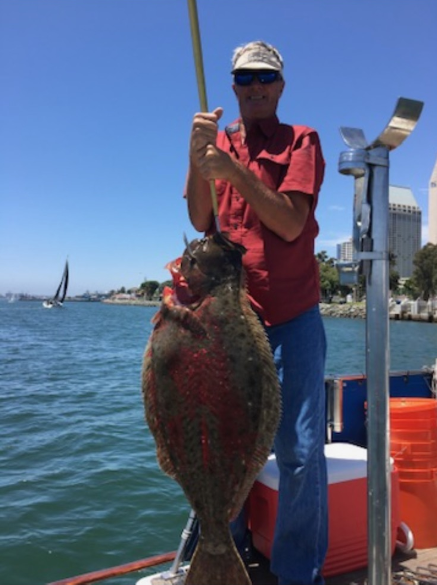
(96, 103)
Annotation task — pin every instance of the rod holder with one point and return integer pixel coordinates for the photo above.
(368, 164)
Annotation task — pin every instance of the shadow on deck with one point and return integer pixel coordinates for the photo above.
(260, 574)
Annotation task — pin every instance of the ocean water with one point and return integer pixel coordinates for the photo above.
(80, 488)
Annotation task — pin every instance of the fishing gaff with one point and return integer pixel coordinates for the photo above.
(190, 532)
(198, 61)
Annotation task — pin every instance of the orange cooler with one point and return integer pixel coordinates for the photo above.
(347, 500)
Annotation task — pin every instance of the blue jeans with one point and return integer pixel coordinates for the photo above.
(301, 533)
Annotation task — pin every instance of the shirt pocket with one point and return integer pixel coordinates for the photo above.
(273, 167)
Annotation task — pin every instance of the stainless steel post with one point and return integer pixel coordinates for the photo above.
(369, 164)
(378, 366)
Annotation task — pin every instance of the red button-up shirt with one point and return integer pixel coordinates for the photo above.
(282, 277)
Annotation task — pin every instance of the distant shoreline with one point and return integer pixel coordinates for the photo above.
(358, 311)
(335, 310)
(343, 311)
(136, 302)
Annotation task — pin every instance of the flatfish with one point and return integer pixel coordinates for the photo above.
(211, 397)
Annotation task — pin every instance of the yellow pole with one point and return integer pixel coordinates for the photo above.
(198, 61)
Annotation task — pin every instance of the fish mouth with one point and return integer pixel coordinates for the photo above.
(174, 267)
(180, 294)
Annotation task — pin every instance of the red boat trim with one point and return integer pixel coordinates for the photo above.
(116, 571)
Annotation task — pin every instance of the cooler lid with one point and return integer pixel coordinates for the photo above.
(345, 462)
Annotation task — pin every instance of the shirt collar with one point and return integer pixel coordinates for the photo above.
(267, 126)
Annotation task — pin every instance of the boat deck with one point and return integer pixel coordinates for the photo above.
(405, 571)
(416, 559)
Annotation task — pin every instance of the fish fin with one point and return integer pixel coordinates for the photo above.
(186, 318)
(223, 568)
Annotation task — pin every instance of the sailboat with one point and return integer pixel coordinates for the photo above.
(61, 292)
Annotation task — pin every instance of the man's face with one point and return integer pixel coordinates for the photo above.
(257, 100)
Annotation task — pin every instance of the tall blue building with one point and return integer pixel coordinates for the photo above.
(405, 229)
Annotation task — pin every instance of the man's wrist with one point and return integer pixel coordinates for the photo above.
(235, 171)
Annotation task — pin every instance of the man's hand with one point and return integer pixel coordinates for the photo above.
(203, 132)
(216, 164)
(211, 162)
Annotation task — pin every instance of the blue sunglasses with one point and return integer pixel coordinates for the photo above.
(264, 77)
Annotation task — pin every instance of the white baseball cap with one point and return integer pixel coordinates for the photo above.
(257, 55)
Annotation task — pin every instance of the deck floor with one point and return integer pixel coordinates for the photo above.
(260, 574)
(259, 571)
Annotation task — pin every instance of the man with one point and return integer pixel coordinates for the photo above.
(268, 177)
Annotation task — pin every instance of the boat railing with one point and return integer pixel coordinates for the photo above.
(117, 571)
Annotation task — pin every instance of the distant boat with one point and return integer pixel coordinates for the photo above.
(61, 292)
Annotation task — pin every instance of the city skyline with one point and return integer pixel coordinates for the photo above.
(405, 231)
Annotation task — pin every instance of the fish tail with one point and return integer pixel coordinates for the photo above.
(217, 568)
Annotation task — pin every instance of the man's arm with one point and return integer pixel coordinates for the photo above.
(283, 213)
(199, 200)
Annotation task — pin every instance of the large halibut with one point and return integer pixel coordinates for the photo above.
(212, 398)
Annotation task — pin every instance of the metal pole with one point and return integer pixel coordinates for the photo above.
(369, 164)
(377, 365)
(186, 533)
